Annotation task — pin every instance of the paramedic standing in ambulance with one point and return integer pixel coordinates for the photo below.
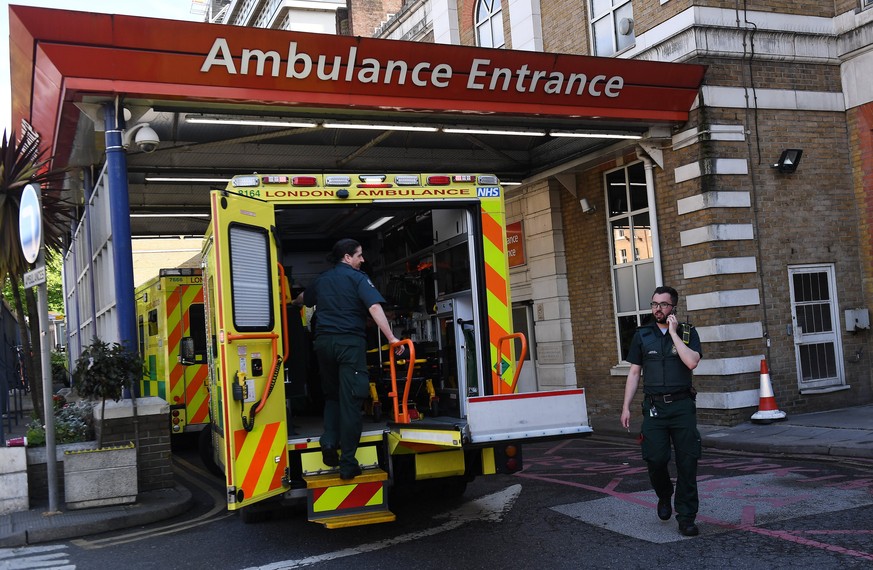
(666, 353)
(344, 296)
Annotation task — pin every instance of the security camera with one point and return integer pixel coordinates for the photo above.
(143, 135)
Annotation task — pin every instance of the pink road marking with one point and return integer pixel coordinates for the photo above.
(556, 448)
(780, 534)
(832, 531)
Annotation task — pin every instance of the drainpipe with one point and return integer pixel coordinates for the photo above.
(119, 216)
(653, 218)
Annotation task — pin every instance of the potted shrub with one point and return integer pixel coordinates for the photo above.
(106, 475)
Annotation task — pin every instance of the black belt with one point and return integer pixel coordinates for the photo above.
(669, 397)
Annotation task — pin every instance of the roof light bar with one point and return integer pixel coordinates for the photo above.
(248, 181)
(519, 133)
(581, 135)
(380, 127)
(406, 180)
(274, 179)
(189, 180)
(250, 122)
(337, 180)
(305, 181)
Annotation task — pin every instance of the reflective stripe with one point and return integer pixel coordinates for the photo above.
(496, 286)
(258, 451)
(352, 496)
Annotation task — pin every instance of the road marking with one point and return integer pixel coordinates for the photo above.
(490, 508)
(737, 503)
(218, 506)
(35, 557)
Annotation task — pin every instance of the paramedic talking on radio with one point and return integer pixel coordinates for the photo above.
(666, 353)
(345, 296)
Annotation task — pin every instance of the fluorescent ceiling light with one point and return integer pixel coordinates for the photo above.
(510, 183)
(191, 180)
(378, 223)
(495, 132)
(169, 215)
(365, 126)
(593, 135)
(250, 122)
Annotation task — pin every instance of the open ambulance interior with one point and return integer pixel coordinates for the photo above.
(422, 259)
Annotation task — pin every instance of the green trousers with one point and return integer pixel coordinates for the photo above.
(342, 361)
(675, 424)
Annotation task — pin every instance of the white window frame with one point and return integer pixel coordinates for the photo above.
(802, 339)
(611, 15)
(642, 310)
(489, 13)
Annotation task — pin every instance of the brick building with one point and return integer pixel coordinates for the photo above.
(770, 263)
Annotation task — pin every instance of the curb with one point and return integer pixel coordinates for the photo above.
(75, 524)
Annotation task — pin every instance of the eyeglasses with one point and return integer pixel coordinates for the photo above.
(660, 305)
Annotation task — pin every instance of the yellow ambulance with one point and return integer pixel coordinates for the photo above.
(168, 308)
(435, 246)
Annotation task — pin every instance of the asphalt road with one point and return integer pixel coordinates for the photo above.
(581, 503)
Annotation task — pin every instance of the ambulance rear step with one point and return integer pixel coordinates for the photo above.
(339, 503)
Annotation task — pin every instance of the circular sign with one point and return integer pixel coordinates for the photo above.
(30, 223)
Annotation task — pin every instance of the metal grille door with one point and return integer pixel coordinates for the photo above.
(815, 323)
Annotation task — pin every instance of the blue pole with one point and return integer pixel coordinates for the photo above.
(119, 215)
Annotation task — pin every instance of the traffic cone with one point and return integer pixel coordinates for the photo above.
(767, 410)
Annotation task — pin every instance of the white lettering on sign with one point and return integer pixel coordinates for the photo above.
(479, 77)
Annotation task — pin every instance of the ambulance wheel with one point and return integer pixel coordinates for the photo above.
(204, 446)
(377, 411)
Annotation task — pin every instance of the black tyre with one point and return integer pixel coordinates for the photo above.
(204, 446)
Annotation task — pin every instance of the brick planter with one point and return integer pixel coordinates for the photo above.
(154, 457)
(153, 465)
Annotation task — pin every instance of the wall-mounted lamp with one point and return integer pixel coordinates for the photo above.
(586, 207)
(789, 160)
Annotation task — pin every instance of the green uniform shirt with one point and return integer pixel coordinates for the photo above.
(344, 296)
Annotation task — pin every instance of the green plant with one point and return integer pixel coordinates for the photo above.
(72, 424)
(22, 162)
(103, 371)
(60, 376)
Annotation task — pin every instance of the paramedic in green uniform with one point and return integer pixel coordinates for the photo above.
(344, 296)
(666, 353)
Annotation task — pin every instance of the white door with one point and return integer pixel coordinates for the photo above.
(816, 326)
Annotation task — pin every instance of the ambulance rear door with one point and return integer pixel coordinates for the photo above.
(249, 340)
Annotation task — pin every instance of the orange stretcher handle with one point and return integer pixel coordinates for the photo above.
(499, 386)
(401, 416)
(284, 306)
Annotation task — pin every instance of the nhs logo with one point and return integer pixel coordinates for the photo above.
(488, 192)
